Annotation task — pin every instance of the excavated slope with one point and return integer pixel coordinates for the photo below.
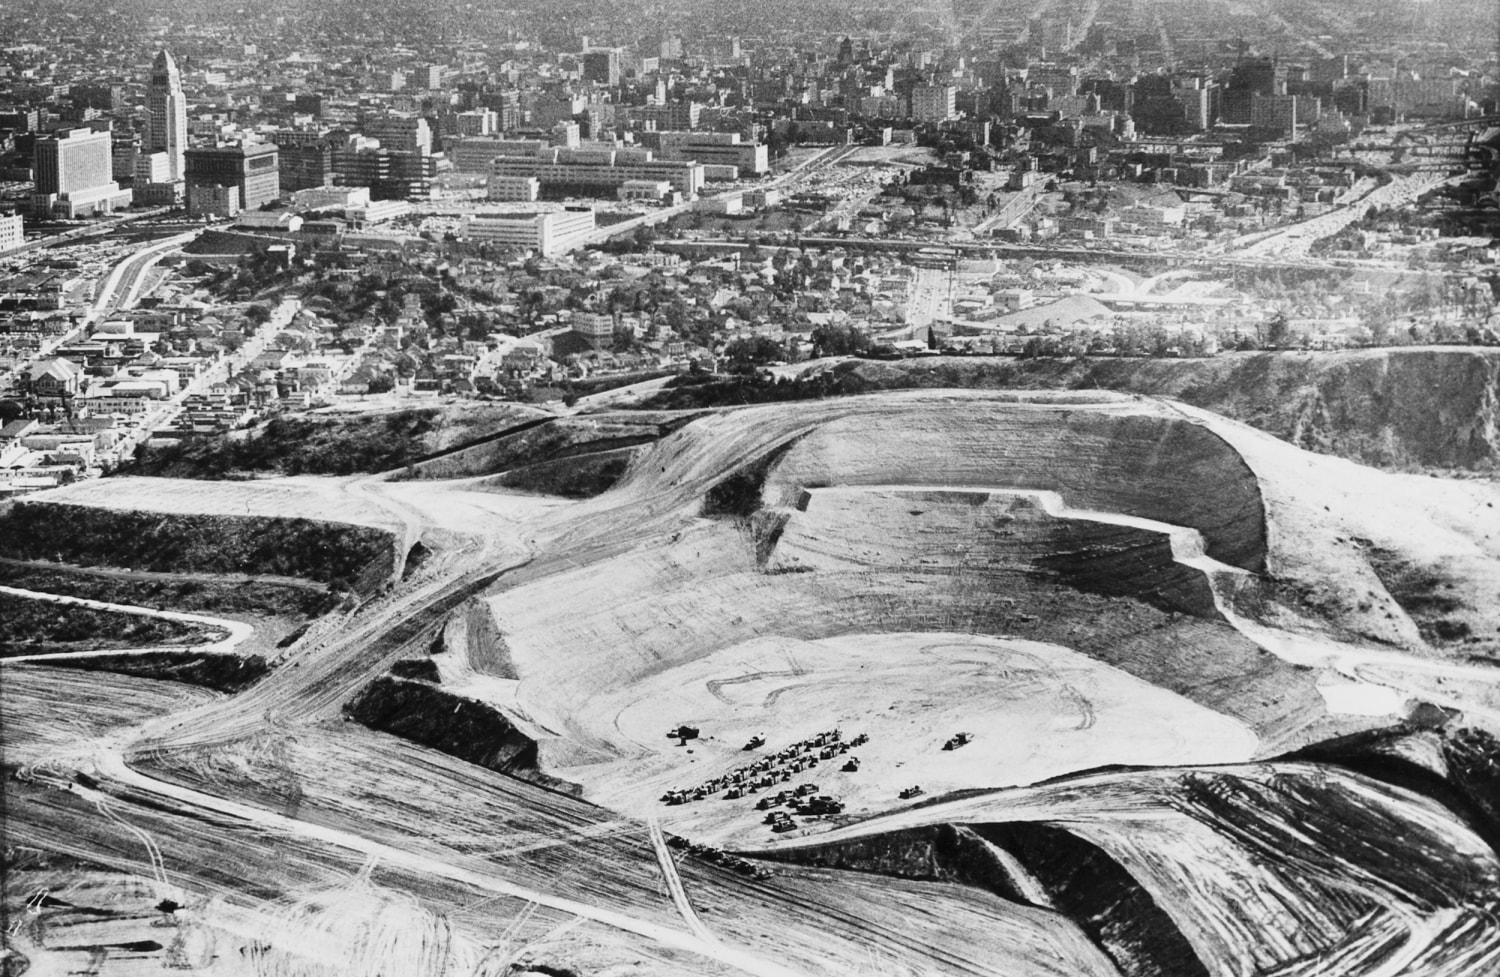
(1392, 408)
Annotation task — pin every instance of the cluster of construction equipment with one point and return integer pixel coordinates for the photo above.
(719, 856)
(778, 768)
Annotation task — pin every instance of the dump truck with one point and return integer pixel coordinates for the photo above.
(851, 765)
(911, 792)
(756, 742)
(957, 740)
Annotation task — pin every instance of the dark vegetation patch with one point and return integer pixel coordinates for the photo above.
(333, 444)
(343, 556)
(460, 727)
(576, 477)
(220, 672)
(415, 557)
(739, 493)
(232, 597)
(545, 442)
(298, 445)
(939, 853)
(703, 391)
(417, 669)
(37, 627)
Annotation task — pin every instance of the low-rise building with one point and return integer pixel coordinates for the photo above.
(549, 233)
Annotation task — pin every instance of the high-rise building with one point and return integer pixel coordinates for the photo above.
(602, 66)
(934, 103)
(74, 174)
(303, 163)
(167, 109)
(389, 175)
(402, 134)
(251, 170)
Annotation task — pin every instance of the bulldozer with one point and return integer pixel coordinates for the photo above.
(957, 740)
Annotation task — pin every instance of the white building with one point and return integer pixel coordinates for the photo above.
(646, 191)
(598, 329)
(716, 149)
(600, 173)
(377, 212)
(550, 233)
(10, 232)
(331, 198)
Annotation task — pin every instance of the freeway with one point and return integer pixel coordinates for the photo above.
(1294, 242)
(90, 230)
(123, 286)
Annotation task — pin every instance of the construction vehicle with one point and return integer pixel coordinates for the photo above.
(851, 765)
(911, 792)
(804, 789)
(683, 733)
(756, 742)
(783, 826)
(957, 740)
(823, 804)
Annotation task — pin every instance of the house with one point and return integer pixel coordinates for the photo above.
(18, 429)
(271, 359)
(56, 377)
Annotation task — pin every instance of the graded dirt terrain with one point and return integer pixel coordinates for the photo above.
(1402, 409)
(1180, 650)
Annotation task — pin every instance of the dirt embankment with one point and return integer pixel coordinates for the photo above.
(332, 444)
(417, 710)
(346, 557)
(1392, 408)
(1454, 765)
(576, 456)
(1056, 868)
(222, 673)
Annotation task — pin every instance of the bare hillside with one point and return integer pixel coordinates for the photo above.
(1393, 408)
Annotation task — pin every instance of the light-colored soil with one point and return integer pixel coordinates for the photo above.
(1035, 711)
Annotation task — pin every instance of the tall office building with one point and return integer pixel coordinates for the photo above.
(602, 66)
(75, 175)
(168, 114)
(227, 179)
(934, 103)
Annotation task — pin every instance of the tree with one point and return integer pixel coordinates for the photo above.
(832, 340)
(1277, 330)
(745, 355)
(258, 314)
